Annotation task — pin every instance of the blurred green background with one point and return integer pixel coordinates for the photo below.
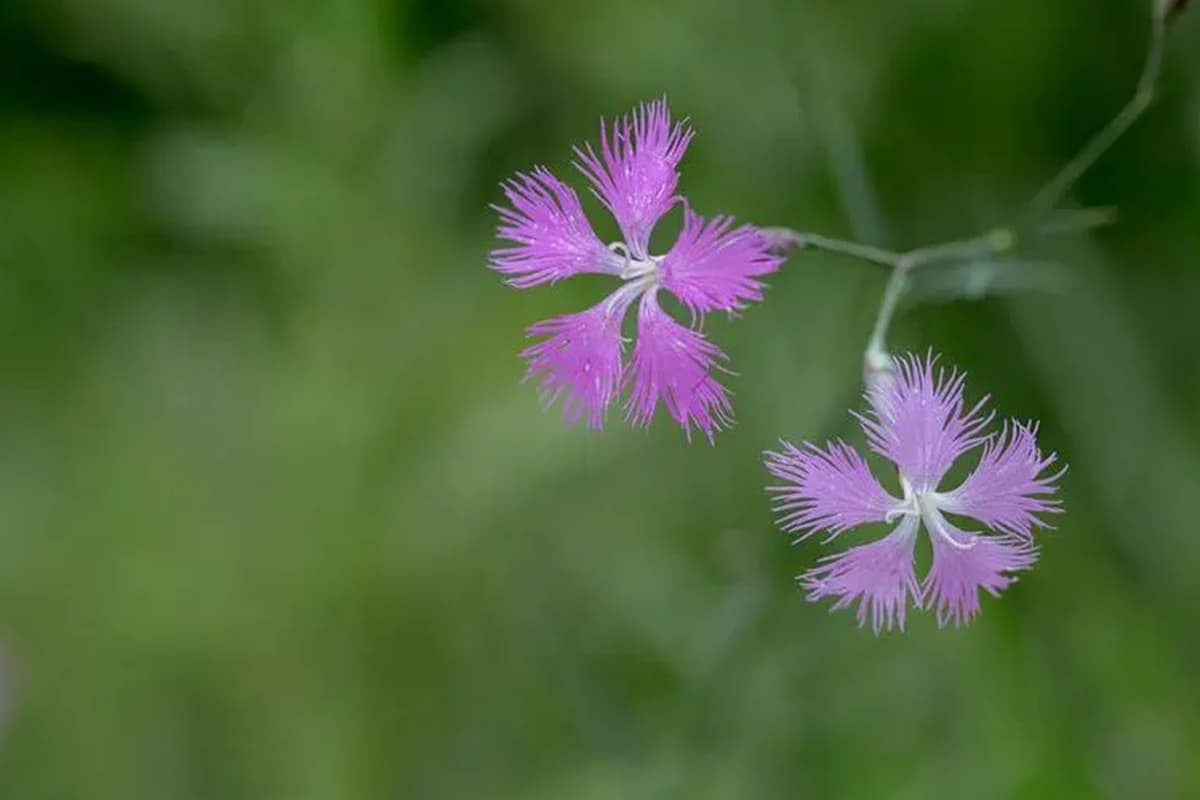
(278, 520)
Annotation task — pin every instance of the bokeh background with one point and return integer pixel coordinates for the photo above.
(278, 519)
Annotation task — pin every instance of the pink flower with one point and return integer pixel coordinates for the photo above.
(919, 422)
(713, 266)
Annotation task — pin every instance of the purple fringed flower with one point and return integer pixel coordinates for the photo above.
(713, 266)
(918, 421)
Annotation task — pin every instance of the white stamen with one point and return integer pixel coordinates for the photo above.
(634, 268)
(932, 516)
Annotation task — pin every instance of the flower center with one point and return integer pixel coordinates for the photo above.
(927, 505)
(930, 505)
(635, 268)
(639, 269)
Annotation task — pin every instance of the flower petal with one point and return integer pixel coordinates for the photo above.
(553, 237)
(879, 575)
(827, 490)
(964, 563)
(580, 359)
(918, 420)
(673, 362)
(635, 174)
(712, 267)
(1009, 488)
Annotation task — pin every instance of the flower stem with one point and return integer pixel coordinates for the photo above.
(1041, 218)
(1050, 194)
(876, 358)
(784, 238)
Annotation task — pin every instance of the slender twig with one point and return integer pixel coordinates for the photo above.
(1041, 218)
(1050, 194)
(987, 244)
(876, 358)
(784, 238)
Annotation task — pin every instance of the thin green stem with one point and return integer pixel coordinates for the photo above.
(1050, 194)
(785, 237)
(1041, 219)
(985, 245)
(876, 358)
(899, 264)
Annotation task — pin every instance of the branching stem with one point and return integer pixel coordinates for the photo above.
(1052, 193)
(1041, 218)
